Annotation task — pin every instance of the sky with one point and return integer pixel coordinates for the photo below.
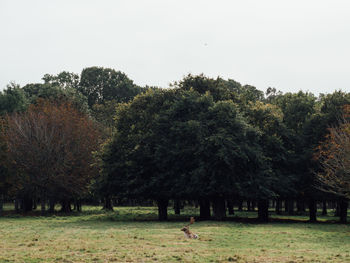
(291, 45)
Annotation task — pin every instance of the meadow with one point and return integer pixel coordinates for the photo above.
(133, 234)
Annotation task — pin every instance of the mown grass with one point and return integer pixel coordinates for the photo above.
(132, 234)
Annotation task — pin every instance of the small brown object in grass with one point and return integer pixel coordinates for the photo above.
(187, 232)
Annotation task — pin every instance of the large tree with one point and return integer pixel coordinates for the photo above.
(268, 119)
(180, 143)
(131, 161)
(298, 111)
(333, 156)
(50, 148)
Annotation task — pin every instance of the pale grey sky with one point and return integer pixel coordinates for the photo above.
(287, 44)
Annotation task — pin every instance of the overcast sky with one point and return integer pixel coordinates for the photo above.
(289, 45)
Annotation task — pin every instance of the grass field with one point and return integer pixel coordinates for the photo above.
(132, 234)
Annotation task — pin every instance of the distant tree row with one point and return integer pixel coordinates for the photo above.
(212, 141)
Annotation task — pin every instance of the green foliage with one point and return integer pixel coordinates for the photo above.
(332, 105)
(220, 89)
(232, 160)
(104, 116)
(103, 84)
(131, 156)
(297, 108)
(298, 111)
(329, 113)
(64, 79)
(55, 93)
(268, 119)
(182, 143)
(12, 99)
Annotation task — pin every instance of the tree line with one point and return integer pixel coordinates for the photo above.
(215, 142)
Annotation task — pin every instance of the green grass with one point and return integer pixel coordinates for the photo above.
(132, 234)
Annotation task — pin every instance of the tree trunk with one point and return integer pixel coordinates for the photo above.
(27, 204)
(312, 210)
(343, 207)
(35, 205)
(324, 208)
(263, 210)
(253, 205)
(16, 205)
(51, 205)
(77, 205)
(177, 206)
(240, 205)
(204, 209)
(248, 205)
(337, 209)
(230, 207)
(108, 205)
(162, 209)
(219, 208)
(286, 205)
(291, 207)
(21, 204)
(43, 205)
(66, 208)
(278, 206)
(300, 206)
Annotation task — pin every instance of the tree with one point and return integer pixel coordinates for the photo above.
(299, 111)
(333, 156)
(329, 110)
(131, 159)
(64, 80)
(268, 119)
(50, 148)
(12, 99)
(103, 84)
(232, 163)
(220, 89)
(332, 105)
(181, 144)
(297, 108)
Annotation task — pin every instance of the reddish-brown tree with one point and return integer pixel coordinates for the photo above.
(334, 157)
(50, 146)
